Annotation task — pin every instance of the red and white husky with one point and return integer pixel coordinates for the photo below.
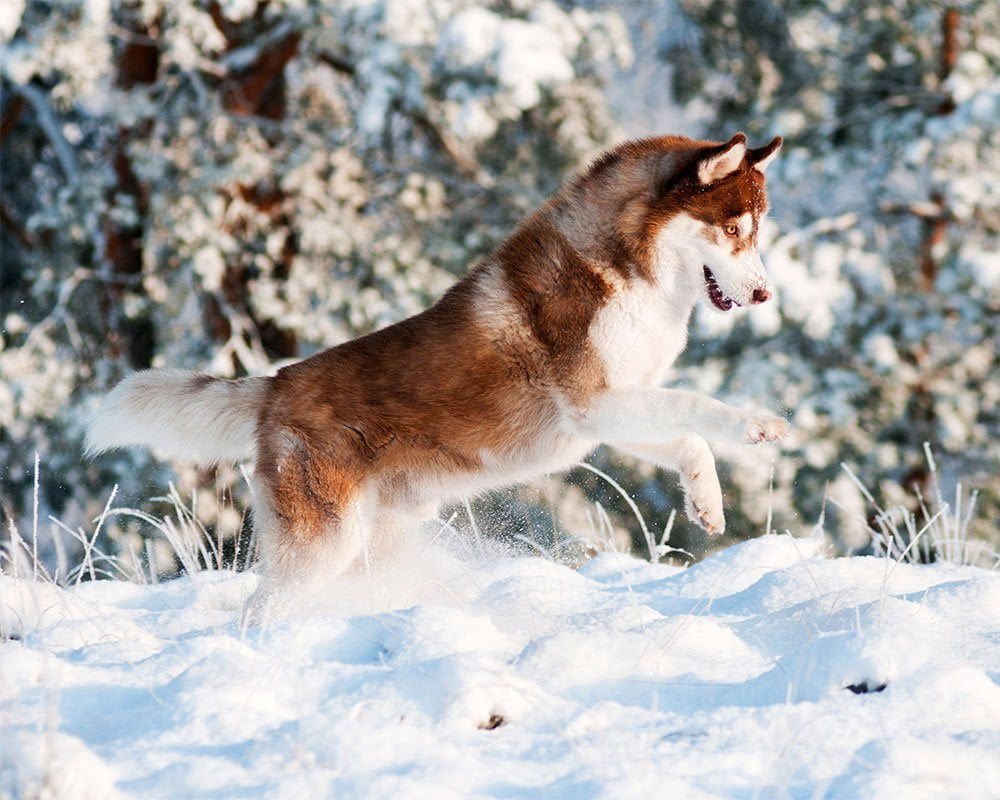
(555, 343)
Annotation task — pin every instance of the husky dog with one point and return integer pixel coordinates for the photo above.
(555, 343)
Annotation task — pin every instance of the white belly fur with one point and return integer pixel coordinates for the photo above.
(550, 454)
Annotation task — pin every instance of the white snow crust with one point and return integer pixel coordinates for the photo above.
(623, 679)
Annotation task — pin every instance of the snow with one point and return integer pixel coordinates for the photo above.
(526, 54)
(523, 56)
(10, 18)
(621, 679)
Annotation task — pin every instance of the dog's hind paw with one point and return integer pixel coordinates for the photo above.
(762, 428)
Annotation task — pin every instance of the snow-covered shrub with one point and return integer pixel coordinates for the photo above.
(937, 531)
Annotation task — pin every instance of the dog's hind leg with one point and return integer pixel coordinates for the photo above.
(313, 524)
(690, 457)
(397, 523)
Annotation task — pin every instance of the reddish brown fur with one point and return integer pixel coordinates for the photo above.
(667, 187)
(423, 396)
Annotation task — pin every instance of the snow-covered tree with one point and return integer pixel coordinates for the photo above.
(226, 184)
(884, 244)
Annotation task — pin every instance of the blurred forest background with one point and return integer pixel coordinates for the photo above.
(225, 185)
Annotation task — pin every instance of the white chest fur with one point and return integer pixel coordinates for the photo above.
(640, 332)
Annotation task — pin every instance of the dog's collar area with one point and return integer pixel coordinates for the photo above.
(719, 300)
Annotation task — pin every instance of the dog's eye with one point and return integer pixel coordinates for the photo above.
(731, 230)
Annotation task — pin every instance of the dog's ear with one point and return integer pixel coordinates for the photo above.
(723, 160)
(760, 157)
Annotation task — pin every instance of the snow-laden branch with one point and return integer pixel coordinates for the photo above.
(242, 58)
(50, 127)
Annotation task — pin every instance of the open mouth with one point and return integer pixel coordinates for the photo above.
(719, 300)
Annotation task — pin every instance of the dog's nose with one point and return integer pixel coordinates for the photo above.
(760, 296)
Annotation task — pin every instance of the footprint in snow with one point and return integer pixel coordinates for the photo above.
(866, 687)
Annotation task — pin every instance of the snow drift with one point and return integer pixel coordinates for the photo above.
(765, 671)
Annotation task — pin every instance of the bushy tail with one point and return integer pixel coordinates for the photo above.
(184, 415)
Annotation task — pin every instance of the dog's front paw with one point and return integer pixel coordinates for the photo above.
(761, 428)
(708, 517)
(703, 503)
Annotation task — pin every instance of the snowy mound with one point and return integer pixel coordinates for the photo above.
(766, 670)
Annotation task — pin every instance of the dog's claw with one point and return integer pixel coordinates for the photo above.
(714, 527)
(709, 519)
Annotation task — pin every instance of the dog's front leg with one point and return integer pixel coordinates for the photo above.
(691, 458)
(652, 416)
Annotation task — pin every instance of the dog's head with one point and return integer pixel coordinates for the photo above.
(708, 213)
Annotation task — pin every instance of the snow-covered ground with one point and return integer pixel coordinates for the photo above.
(514, 677)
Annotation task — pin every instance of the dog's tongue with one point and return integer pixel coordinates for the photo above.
(719, 300)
